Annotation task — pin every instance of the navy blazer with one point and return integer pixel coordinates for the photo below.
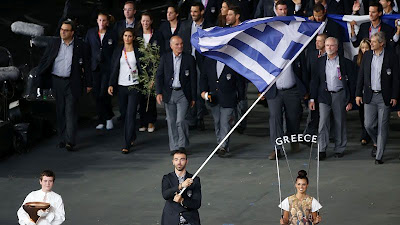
(333, 7)
(300, 77)
(120, 26)
(389, 77)
(332, 29)
(115, 61)
(265, 8)
(80, 68)
(185, 33)
(187, 77)
(364, 33)
(100, 53)
(165, 34)
(228, 88)
(319, 89)
(191, 203)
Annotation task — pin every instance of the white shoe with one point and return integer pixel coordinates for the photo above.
(109, 125)
(142, 129)
(100, 126)
(151, 128)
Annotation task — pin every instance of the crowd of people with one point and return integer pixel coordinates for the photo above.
(115, 59)
(110, 59)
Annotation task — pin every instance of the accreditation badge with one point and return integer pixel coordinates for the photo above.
(389, 71)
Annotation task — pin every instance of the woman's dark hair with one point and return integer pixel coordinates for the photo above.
(129, 29)
(302, 174)
(175, 7)
(360, 53)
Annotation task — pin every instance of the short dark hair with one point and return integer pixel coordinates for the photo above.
(198, 4)
(180, 152)
(376, 4)
(128, 29)
(235, 9)
(47, 173)
(131, 2)
(318, 7)
(280, 2)
(71, 23)
(175, 7)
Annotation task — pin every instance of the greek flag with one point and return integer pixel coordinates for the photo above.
(344, 22)
(258, 49)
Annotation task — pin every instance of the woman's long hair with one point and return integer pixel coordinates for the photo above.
(129, 29)
(360, 53)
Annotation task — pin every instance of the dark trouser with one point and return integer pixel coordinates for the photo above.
(128, 101)
(103, 99)
(289, 100)
(364, 133)
(312, 120)
(66, 107)
(199, 110)
(241, 109)
(149, 116)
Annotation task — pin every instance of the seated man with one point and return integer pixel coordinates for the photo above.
(55, 215)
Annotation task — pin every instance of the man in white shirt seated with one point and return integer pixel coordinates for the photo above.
(55, 215)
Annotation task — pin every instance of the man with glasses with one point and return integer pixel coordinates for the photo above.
(62, 68)
(129, 21)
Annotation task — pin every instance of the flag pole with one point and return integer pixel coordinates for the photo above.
(251, 107)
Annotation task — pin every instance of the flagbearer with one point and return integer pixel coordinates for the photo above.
(222, 88)
(284, 98)
(330, 86)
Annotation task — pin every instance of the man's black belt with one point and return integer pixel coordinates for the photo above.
(176, 88)
(63, 78)
(183, 223)
(376, 92)
(285, 89)
(333, 92)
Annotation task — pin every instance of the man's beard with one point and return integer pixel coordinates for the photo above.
(180, 169)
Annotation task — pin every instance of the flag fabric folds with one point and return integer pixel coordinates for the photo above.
(344, 21)
(258, 49)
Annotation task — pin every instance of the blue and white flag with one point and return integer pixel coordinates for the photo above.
(344, 22)
(258, 49)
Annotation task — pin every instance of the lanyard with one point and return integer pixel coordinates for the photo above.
(339, 73)
(370, 28)
(130, 68)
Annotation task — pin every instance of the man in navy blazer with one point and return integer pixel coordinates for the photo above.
(222, 88)
(176, 86)
(375, 25)
(332, 88)
(65, 68)
(196, 21)
(129, 21)
(378, 89)
(181, 209)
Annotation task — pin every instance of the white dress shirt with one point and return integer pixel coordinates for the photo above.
(56, 214)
